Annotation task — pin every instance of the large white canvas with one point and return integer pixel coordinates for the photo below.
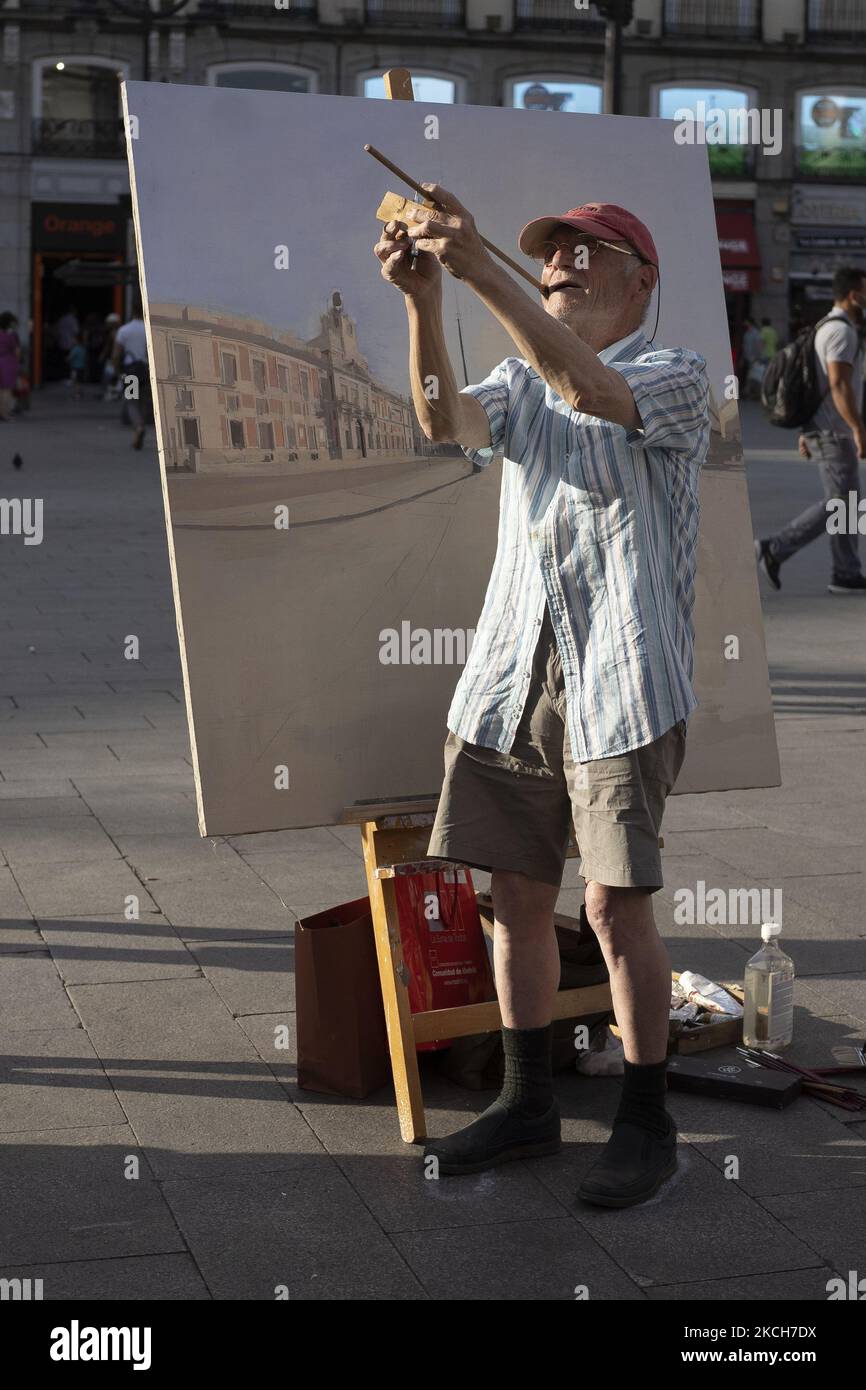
(281, 629)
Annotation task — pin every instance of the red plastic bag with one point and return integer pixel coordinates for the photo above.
(443, 943)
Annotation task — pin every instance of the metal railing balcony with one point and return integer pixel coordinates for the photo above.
(78, 139)
(556, 14)
(708, 19)
(836, 21)
(418, 14)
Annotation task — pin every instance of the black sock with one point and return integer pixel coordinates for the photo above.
(643, 1096)
(528, 1081)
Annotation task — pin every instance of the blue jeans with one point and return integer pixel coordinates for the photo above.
(836, 456)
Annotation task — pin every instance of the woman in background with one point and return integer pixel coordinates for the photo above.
(10, 356)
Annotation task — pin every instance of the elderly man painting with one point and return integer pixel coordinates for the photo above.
(572, 706)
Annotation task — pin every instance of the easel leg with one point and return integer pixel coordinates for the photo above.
(394, 978)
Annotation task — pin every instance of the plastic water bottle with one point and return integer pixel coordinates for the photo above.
(768, 1009)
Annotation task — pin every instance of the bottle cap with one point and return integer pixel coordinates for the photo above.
(769, 930)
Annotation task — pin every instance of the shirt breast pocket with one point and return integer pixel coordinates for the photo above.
(597, 469)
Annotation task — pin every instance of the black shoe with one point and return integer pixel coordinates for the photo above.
(855, 585)
(768, 566)
(497, 1136)
(633, 1166)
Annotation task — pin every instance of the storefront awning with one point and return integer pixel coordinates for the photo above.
(738, 249)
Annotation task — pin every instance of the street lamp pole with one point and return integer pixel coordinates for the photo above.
(617, 14)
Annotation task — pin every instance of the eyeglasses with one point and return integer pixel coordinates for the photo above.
(548, 249)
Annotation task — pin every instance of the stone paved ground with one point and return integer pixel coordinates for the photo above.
(153, 1039)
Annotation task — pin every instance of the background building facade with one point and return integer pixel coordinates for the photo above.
(784, 218)
(236, 393)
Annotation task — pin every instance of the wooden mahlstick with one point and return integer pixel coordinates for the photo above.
(431, 203)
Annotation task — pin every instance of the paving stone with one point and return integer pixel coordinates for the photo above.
(72, 1221)
(142, 812)
(293, 844)
(174, 858)
(799, 1149)
(835, 1231)
(196, 1093)
(548, 1260)
(52, 1079)
(136, 1278)
(251, 977)
(261, 1029)
(59, 840)
(95, 950)
(19, 765)
(222, 906)
(85, 889)
(737, 1235)
(335, 880)
(43, 786)
(32, 995)
(304, 1229)
(842, 994)
(42, 808)
(389, 1174)
(782, 1286)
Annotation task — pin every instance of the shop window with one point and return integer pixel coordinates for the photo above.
(267, 77)
(723, 113)
(547, 93)
(831, 133)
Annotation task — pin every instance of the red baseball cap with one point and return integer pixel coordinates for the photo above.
(604, 220)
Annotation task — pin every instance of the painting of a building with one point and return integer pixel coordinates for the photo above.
(235, 394)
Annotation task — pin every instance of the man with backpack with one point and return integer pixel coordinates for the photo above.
(834, 433)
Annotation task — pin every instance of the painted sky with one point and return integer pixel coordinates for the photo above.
(224, 175)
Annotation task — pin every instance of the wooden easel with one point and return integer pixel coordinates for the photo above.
(395, 835)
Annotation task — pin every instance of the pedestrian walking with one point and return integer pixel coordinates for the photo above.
(10, 358)
(769, 340)
(835, 438)
(750, 352)
(129, 357)
(77, 359)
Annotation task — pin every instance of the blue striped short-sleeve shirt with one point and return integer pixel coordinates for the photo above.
(601, 524)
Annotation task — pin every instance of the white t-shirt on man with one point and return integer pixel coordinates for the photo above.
(837, 341)
(133, 339)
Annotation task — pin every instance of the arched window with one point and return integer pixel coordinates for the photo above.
(263, 77)
(76, 105)
(428, 87)
(831, 132)
(544, 92)
(724, 112)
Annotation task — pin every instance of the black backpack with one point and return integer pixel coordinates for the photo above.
(791, 391)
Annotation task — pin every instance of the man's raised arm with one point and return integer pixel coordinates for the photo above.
(443, 413)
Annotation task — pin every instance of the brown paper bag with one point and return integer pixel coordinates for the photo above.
(342, 1040)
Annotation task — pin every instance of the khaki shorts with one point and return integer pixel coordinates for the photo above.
(514, 810)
